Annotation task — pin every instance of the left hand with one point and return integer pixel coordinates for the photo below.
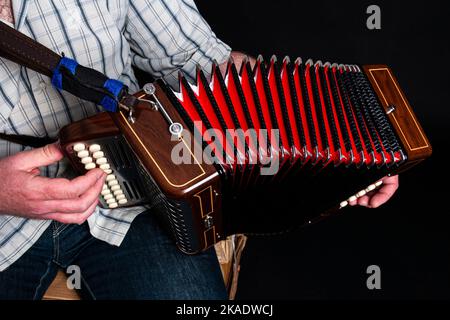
(379, 196)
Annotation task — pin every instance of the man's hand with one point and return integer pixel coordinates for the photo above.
(27, 194)
(238, 58)
(380, 196)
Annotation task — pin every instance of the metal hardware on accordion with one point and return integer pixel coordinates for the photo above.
(340, 129)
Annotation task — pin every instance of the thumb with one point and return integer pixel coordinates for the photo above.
(39, 157)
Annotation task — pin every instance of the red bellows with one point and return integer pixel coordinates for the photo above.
(295, 114)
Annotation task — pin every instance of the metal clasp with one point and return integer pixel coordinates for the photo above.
(208, 222)
(130, 112)
(390, 109)
(175, 128)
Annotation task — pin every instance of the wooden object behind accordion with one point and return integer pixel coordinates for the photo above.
(197, 188)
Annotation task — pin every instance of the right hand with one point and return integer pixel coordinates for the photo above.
(24, 193)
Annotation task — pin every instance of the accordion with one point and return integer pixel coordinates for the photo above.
(259, 150)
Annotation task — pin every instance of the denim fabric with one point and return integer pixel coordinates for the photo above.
(146, 266)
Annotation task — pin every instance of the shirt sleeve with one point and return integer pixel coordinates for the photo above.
(170, 35)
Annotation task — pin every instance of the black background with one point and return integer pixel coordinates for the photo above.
(408, 237)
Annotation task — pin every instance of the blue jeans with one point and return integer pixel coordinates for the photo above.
(146, 266)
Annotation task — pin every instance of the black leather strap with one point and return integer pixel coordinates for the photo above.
(66, 74)
(17, 47)
(23, 50)
(34, 142)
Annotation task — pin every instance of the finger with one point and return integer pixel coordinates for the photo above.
(82, 183)
(77, 218)
(59, 188)
(383, 194)
(353, 202)
(364, 201)
(390, 180)
(39, 157)
(75, 205)
(35, 171)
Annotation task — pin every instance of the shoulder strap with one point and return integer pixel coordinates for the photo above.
(66, 74)
(17, 47)
(34, 142)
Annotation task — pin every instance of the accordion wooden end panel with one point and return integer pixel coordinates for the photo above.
(399, 111)
(333, 131)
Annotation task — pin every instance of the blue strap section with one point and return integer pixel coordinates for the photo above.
(109, 104)
(69, 64)
(115, 87)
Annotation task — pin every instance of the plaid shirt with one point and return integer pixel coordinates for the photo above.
(158, 36)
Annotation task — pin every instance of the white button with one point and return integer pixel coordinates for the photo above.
(101, 161)
(108, 196)
(105, 192)
(113, 183)
(112, 200)
(98, 154)
(89, 166)
(378, 183)
(352, 198)
(343, 204)
(371, 188)
(361, 193)
(116, 187)
(107, 171)
(110, 177)
(94, 148)
(86, 160)
(117, 192)
(78, 147)
(123, 201)
(83, 153)
(120, 196)
(104, 166)
(113, 205)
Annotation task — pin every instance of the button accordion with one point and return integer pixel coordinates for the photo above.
(260, 150)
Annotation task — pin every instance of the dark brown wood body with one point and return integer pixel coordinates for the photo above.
(197, 184)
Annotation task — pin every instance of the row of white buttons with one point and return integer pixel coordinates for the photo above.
(360, 194)
(93, 157)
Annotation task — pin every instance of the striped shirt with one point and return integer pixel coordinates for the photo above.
(158, 36)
